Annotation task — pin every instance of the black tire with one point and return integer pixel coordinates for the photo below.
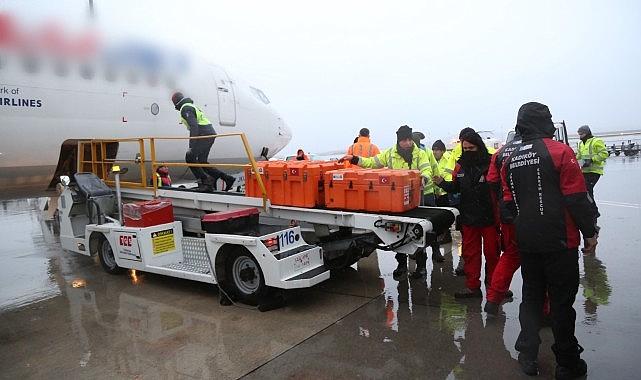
(245, 279)
(106, 255)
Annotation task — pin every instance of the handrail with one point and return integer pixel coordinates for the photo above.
(103, 162)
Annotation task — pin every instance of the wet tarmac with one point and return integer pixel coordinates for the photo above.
(61, 316)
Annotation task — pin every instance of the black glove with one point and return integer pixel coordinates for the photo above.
(354, 160)
(586, 163)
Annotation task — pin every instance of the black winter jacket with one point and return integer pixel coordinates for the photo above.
(477, 205)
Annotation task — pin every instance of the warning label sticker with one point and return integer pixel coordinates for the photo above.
(406, 195)
(163, 241)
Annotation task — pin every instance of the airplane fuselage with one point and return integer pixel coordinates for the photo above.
(44, 106)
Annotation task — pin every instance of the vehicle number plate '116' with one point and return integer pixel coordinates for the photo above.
(286, 238)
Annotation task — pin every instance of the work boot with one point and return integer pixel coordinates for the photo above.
(580, 369)
(204, 185)
(491, 308)
(229, 182)
(437, 255)
(529, 366)
(401, 268)
(469, 293)
(211, 182)
(421, 262)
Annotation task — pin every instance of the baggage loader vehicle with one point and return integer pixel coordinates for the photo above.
(243, 244)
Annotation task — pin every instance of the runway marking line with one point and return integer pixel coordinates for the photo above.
(619, 204)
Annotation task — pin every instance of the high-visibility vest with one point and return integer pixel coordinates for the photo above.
(445, 171)
(391, 159)
(431, 188)
(159, 180)
(363, 148)
(593, 149)
(200, 116)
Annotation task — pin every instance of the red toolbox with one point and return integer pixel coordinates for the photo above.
(373, 190)
(291, 183)
(230, 221)
(148, 213)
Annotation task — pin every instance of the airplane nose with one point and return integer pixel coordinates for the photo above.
(284, 132)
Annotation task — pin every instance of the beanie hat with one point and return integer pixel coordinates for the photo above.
(404, 132)
(585, 129)
(364, 132)
(438, 145)
(177, 97)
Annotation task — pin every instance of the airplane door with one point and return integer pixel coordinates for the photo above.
(226, 98)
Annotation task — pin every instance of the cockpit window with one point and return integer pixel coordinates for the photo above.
(260, 95)
(110, 74)
(86, 71)
(132, 77)
(60, 68)
(31, 64)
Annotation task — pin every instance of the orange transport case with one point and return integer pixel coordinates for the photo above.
(291, 183)
(373, 190)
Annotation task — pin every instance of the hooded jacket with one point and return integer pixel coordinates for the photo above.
(544, 188)
(494, 177)
(469, 178)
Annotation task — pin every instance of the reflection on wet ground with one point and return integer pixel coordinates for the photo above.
(61, 316)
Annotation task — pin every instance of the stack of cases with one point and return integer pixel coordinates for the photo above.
(291, 183)
(373, 190)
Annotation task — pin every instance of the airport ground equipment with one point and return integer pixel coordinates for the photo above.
(287, 247)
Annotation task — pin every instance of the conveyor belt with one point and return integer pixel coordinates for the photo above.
(439, 219)
(201, 191)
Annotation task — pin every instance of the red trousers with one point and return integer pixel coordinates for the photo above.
(473, 239)
(508, 263)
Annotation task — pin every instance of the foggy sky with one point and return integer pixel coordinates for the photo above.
(333, 67)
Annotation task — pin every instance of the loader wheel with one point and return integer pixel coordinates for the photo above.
(246, 280)
(106, 255)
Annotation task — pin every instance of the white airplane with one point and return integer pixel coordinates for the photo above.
(72, 90)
